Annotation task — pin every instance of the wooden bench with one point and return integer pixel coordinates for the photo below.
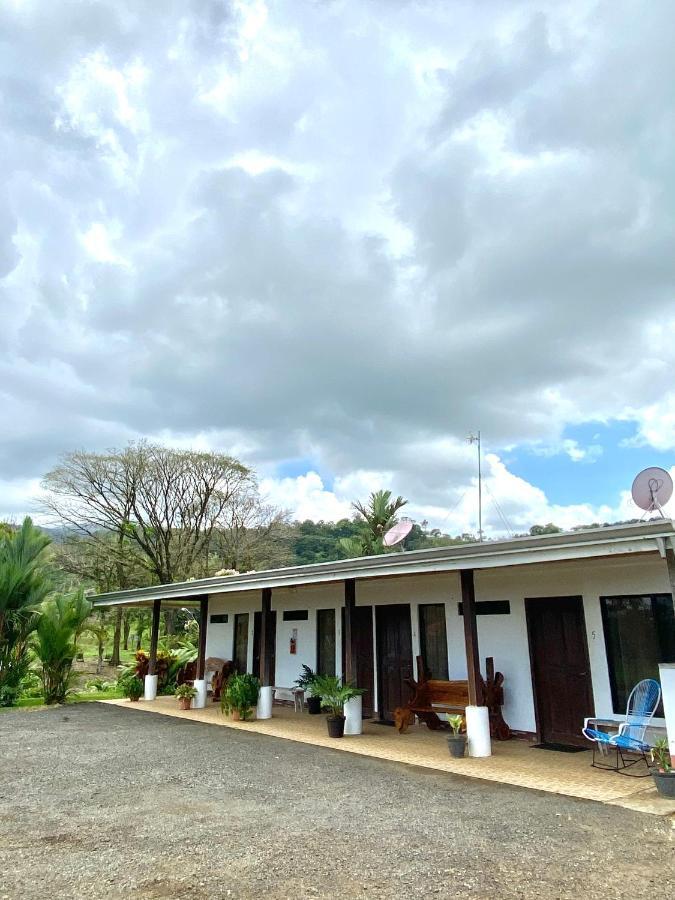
(432, 696)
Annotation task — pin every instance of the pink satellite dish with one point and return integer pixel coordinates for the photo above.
(397, 533)
(652, 489)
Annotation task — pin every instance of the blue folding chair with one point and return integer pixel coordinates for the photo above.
(630, 738)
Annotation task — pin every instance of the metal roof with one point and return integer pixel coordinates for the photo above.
(645, 537)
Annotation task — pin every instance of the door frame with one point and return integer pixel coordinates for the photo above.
(530, 603)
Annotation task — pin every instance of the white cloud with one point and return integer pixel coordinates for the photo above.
(306, 497)
(286, 230)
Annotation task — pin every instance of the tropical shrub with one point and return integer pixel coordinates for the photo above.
(96, 685)
(185, 692)
(23, 586)
(455, 722)
(334, 694)
(241, 694)
(307, 681)
(56, 633)
(131, 686)
(660, 754)
(31, 685)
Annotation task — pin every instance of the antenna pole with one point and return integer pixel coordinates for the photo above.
(475, 439)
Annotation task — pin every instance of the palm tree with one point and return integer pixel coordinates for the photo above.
(23, 587)
(58, 627)
(376, 518)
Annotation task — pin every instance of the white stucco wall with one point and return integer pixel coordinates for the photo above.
(504, 637)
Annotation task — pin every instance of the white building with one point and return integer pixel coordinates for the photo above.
(572, 620)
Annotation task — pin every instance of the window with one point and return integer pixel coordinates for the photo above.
(639, 634)
(489, 608)
(240, 649)
(433, 639)
(218, 619)
(325, 641)
(296, 615)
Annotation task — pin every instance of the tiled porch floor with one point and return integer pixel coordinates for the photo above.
(513, 762)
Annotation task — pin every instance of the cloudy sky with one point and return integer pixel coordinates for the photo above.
(335, 236)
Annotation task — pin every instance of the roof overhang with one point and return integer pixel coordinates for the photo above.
(648, 537)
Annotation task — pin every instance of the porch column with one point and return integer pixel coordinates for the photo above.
(348, 633)
(477, 716)
(199, 702)
(264, 710)
(353, 708)
(151, 678)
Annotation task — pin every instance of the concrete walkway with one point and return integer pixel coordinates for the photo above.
(513, 762)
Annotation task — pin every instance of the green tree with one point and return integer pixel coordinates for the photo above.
(550, 528)
(60, 622)
(24, 584)
(374, 519)
(167, 502)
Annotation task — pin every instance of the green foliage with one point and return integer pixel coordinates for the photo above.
(316, 542)
(31, 685)
(58, 627)
(550, 528)
(23, 587)
(131, 686)
(660, 754)
(334, 693)
(374, 519)
(455, 722)
(185, 692)
(240, 693)
(99, 685)
(306, 679)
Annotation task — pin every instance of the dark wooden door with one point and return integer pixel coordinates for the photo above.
(257, 625)
(560, 668)
(365, 670)
(240, 647)
(394, 658)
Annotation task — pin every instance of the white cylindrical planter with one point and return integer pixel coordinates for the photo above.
(199, 701)
(150, 692)
(667, 676)
(478, 731)
(264, 708)
(354, 716)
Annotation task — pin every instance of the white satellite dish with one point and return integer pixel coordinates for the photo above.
(652, 489)
(397, 533)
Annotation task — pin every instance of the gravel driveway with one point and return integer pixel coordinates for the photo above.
(97, 801)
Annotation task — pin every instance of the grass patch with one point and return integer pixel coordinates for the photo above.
(78, 697)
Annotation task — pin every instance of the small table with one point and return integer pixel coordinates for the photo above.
(298, 695)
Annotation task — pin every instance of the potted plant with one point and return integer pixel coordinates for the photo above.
(132, 687)
(240, 696)
(306, 681)
(185, 693)
(334, 695)
(663, 772)
(456, 741)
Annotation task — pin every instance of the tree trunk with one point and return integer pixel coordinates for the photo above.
(126, 628)
(115, 658)
(99, 664)
(170, 621)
